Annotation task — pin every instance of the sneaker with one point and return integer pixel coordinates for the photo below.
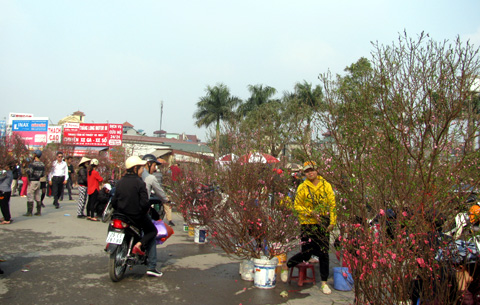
(81, 216)
(170, 223)
(154, 273)
(326, 289)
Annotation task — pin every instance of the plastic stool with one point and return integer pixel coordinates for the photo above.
(302, 274)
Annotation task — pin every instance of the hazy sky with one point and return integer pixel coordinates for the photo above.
(116, 60)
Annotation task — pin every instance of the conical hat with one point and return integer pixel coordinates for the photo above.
(84, 160)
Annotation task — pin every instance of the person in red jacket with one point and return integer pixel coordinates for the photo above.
(93, 180)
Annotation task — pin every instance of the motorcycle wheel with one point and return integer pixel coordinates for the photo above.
(118, 262)
(107, 213)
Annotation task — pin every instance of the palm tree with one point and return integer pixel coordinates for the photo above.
(310, 100)
(217, 105)
(259, 95)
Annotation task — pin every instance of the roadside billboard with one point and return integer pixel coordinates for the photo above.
(18, 116)
(54, 134)
(3, 128)
(33, 131)
(92, 134)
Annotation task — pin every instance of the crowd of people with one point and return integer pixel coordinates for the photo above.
(143, 181)
(29, 179)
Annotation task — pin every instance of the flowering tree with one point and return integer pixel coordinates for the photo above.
(402, 143)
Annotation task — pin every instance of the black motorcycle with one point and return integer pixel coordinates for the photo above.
(122, 236)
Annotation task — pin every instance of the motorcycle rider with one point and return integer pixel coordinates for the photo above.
(153, 186)
(131, 199)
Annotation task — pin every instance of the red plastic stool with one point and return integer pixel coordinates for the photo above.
(302, 274)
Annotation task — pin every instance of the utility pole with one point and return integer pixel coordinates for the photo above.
(161, 115)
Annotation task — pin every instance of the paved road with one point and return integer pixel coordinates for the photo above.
(59, 259)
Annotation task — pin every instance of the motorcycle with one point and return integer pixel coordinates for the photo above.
(122, 236)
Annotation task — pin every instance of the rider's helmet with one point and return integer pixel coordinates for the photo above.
(151, 158)
(38, 153)
(94, 162)
(134, 161)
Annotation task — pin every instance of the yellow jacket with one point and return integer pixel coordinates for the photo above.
(324, 201)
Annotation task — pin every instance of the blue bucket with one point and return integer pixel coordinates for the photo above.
(342, 279)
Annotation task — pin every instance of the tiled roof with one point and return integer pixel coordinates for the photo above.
(176, 144)
(127, 124)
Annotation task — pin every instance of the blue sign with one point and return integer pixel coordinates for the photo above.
(3, 128)
(30, 125)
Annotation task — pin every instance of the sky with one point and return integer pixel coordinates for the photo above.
(116, 60)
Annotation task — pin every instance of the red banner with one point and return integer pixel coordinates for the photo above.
(91, 134)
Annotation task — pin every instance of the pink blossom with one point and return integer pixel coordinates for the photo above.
(421, 262)
(382, 212)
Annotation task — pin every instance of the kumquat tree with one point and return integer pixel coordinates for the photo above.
(403, 156)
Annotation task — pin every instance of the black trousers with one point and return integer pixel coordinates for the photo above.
(57, 187)
(69, 188)
(149, 229)
(92, 204)
(5, 205)
(315, 241)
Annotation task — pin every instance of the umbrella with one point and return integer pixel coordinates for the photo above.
(258, 158)
(228, 158)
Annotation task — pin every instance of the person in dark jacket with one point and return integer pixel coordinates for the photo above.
(6, 178)
(102, 199)
(131, 199)
(82, 176)
(35, 171)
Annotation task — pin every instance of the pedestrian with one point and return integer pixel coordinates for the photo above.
(43, 187)
(93, 188)
(176, 172)
(58, 178)
(15, 168)
(6, 178)
(24, 177)
(315, 206)
(82, 181)
(69, 184)
(35, 171)
(103, 198)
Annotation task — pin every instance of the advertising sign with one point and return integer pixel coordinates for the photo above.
(3, 128)
(15, 116)
(92, 134)
(54, 134)
(29, 125)
(33, 131)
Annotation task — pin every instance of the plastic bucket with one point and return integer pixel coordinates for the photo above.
(342, 279)
(247, 270)
(191, 231)
(200, 235)
(265, 276)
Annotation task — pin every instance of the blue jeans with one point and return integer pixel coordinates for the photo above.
(152, 254)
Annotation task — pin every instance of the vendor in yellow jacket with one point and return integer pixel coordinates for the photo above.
(315, 206)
